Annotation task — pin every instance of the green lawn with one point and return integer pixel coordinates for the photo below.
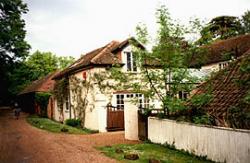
(148, 151)
(52, 126)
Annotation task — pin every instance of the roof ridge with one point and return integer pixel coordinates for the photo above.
(84, 55)
(106, 48)
(229, 39)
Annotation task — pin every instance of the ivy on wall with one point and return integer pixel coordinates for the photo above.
(42, 100)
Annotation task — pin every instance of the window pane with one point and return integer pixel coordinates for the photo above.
(129, 66)
(134, 63)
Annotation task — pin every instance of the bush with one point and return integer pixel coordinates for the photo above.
(64, 129)
(73, 122)
(42, 99)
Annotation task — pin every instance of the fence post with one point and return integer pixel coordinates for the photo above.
(130, 120)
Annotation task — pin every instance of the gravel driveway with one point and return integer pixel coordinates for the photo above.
(20, 142)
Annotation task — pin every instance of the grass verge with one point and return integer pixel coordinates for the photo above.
(52, 126)
(148, 151)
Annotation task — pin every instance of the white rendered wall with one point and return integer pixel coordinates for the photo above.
(217, 143)
(131, 120)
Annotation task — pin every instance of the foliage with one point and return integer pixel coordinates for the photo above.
(245, 20)
(239, 116)
(73, 122)
(60, 92)
(203, 119)
(148, 151)
(13, 47)
(42, 100)
(199, 100)
(221, 27)
(63, 62)
(12, 33)
(80, 94)
(52, 126)
(36, 66)
(41, 64)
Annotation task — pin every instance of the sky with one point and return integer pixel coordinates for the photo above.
(75, 27)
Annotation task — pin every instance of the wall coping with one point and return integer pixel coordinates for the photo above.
(200, 125)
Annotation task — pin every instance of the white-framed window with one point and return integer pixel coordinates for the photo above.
(130, 62)
(143, 102)
(120, 101)
(222, 65)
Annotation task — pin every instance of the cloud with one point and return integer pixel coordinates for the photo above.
(73, 27)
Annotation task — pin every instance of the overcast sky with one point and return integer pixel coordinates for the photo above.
(74, 27)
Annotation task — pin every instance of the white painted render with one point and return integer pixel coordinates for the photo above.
(217, 143)
(214, 67)
(131, 121)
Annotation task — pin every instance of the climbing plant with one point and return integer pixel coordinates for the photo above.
(42, 100)
(60, 92)
(80, 90)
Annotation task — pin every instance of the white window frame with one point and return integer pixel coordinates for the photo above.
(120, 101)
(133, 67)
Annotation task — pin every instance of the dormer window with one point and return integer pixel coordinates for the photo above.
(130, 62)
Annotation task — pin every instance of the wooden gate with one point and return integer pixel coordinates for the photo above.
(115, 118)
(142, 126)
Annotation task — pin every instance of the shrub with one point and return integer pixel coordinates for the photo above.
(64, 129)
(73, 122)
(42, 99)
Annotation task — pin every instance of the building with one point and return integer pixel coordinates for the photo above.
(27, 96)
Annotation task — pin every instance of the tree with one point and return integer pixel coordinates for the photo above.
(13, 47)
(221, 27)
(41, 64)
(36, 66)
(245, 20)
(63, 62)
(163, 71)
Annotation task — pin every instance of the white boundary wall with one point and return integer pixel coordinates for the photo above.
(217, 143)
(130, 120)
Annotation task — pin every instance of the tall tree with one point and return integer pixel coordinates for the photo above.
(64, 61)
(245, 20)
(13, 47)
(221, 27)
(36, 66)
(41, 64)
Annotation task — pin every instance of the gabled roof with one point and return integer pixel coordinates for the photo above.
(228, 88)
(45, 84)
(105, 55)
(219, 50)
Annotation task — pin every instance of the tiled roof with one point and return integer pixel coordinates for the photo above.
(216, 52)
(45, 84)
(105, 55)
(228, 89)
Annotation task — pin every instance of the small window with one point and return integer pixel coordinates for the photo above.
(220, 66)
(143, 101)
(131, 62)
(120, 101)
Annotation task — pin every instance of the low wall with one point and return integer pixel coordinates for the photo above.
(130, 120)
(217, 143)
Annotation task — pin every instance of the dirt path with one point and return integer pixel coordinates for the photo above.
(20, 142)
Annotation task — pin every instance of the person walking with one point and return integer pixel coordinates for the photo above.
(17, 110)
